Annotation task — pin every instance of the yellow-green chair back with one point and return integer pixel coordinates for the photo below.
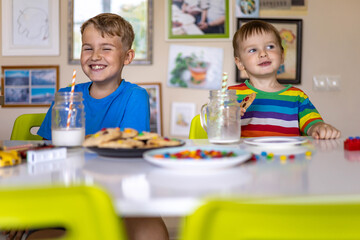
(235, 220)
(196, 130)
(23, 124)
(86, 212)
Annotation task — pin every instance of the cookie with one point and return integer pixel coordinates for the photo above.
(247, 101)
(129, 133)
(122, 143)
(146, 136)
(104, 135)
(162, 142)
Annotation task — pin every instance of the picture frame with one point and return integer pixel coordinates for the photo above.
(291, 33)
(184, 21)
(181, 115)
(29, 86)
(154, 91)
(195, 67)
(139, 13)
(30, 28)
(272, 8)
(247, 8)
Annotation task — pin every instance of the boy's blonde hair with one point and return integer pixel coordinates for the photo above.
(250, 28)
(112, 25)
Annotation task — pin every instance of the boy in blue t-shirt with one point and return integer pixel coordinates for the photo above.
(109, 101)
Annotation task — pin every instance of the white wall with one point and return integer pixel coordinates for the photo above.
(331, 46)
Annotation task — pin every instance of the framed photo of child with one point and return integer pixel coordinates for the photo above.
(291, 34)
(29, 86)
(199, 19)
(154, 91)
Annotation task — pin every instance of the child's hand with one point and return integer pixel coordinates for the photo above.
(243, 110)
(322, 130)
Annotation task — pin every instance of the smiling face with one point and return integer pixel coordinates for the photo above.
(103, 57)
(260, 55)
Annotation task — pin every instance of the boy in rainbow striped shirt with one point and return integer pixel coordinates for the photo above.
(277, 110)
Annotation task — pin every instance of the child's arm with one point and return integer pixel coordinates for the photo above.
(323, 130)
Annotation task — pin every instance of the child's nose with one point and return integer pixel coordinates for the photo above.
(95, 56)
(262, 54)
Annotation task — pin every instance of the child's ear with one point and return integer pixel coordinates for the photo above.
(130, 54)
(239, 64)
(282, 57)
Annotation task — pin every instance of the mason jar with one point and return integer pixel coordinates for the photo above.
(68, 119)
(221, 117)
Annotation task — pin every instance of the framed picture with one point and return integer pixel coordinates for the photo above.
(198, 19)
(139, 13)
(278, 8)
(154, 91)
(291, 34)
(181, 116)
(247, 8)
(29, 86)
(30, 27)
(195, 67)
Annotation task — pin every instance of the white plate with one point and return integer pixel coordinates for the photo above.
(275, 141)
(197, 164)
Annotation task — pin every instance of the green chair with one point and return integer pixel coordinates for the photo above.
(235, 220)
(86, 212)
(196, 130)
(23, 124)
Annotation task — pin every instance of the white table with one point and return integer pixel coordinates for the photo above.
(141, 189)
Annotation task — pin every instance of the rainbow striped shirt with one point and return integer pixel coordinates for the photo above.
(288, 112)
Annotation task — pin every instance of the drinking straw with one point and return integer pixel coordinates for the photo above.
(224, 82)
(71, 98)
(222, 103)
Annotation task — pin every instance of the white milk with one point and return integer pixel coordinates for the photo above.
(68, 137)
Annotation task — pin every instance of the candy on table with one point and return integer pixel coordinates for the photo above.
(283, 157)
(352, 143)
(197, 154)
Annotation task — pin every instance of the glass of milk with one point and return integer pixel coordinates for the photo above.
(68, 119)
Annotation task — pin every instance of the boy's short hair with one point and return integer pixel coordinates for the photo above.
(112, 25)
(253, 27)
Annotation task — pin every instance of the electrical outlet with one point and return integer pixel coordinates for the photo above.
(320, 83)
(326, 83)
(333, 83)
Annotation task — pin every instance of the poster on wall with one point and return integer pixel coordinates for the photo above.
(195, 67)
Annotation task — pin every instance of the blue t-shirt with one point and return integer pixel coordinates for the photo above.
(127, 107)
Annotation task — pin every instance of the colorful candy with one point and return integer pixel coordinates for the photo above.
(196, 154)
(269, 156)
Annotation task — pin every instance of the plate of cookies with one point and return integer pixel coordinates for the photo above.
(127, 143)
